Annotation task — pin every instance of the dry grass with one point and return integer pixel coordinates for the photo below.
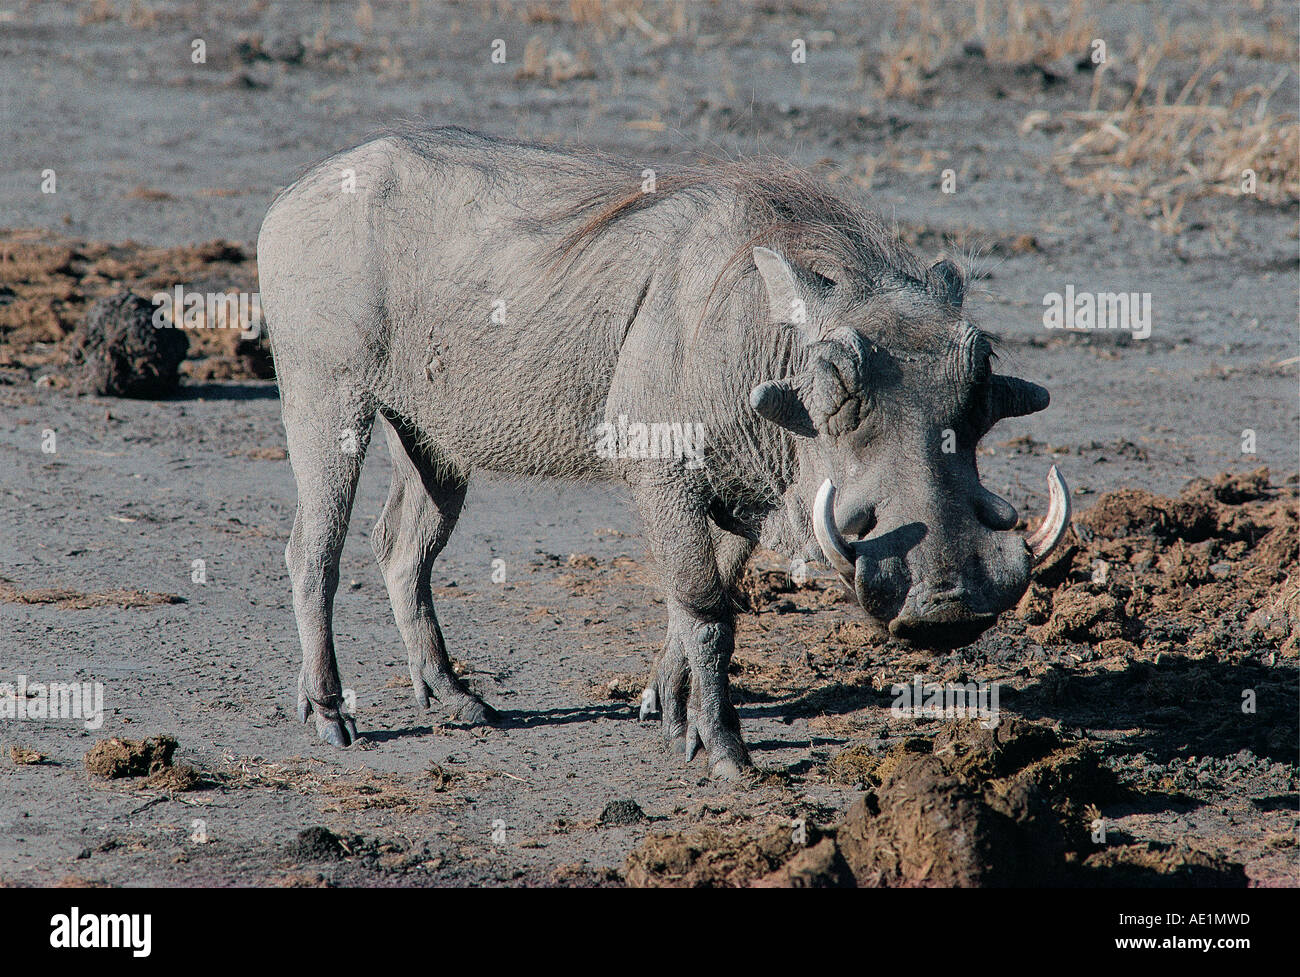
(1015, 32)
(656, 19)
(1162, 146)
(1159, 149)
(352, 790)
(554, 65)
(136, 14)
(1010, 31)
(1276, 43)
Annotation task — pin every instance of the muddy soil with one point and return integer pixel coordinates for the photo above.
(1150, 672)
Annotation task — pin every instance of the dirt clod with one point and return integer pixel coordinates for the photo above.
(1150, 572)
(177, 779)
(1136, 512)
(118, 352)
(1174, 866)
(983, 807)
(819, 867)
(708, 858)
(622, 812)
(115, 758)
(320, 844)
(1078, 615)
(316, 844)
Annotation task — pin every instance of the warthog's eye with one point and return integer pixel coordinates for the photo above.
(869, 422)
(848, 413)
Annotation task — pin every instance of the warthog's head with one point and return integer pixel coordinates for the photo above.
(896, 394)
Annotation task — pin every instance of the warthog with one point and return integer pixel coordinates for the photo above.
(505, 307)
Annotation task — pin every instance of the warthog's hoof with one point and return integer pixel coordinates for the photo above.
(434, 683)
(333, 725)
(340, 732)
(729, 769)
(729, 759)
(476, 712)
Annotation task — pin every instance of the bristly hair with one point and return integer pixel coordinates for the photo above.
(781, 207)
(784, 208)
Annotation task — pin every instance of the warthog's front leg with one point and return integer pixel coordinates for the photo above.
(668, 692)
(711, 719)
(690, 682)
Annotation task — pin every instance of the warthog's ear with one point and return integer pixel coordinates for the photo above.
(782, 290)
(781, 402)
(947, 282)
(1013, 397)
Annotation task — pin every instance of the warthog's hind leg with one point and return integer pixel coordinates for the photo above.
(327, 439)
(424, 502)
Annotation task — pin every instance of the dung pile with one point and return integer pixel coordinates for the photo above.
(1014, 805)
(976, 807)
(116, 757)
(151, 759)
(117, 351)
(1213, 570)
(49, 282)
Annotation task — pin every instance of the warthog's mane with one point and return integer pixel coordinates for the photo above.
(779, 206)
(785, 209)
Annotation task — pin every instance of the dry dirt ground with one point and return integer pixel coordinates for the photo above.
(1148, 680)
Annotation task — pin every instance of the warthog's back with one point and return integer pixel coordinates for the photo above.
(424, 266)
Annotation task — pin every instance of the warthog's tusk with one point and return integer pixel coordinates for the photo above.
(838, 552)
(1049, 535)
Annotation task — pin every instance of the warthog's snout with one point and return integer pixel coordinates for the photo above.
(940, 616)
(937, 589)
